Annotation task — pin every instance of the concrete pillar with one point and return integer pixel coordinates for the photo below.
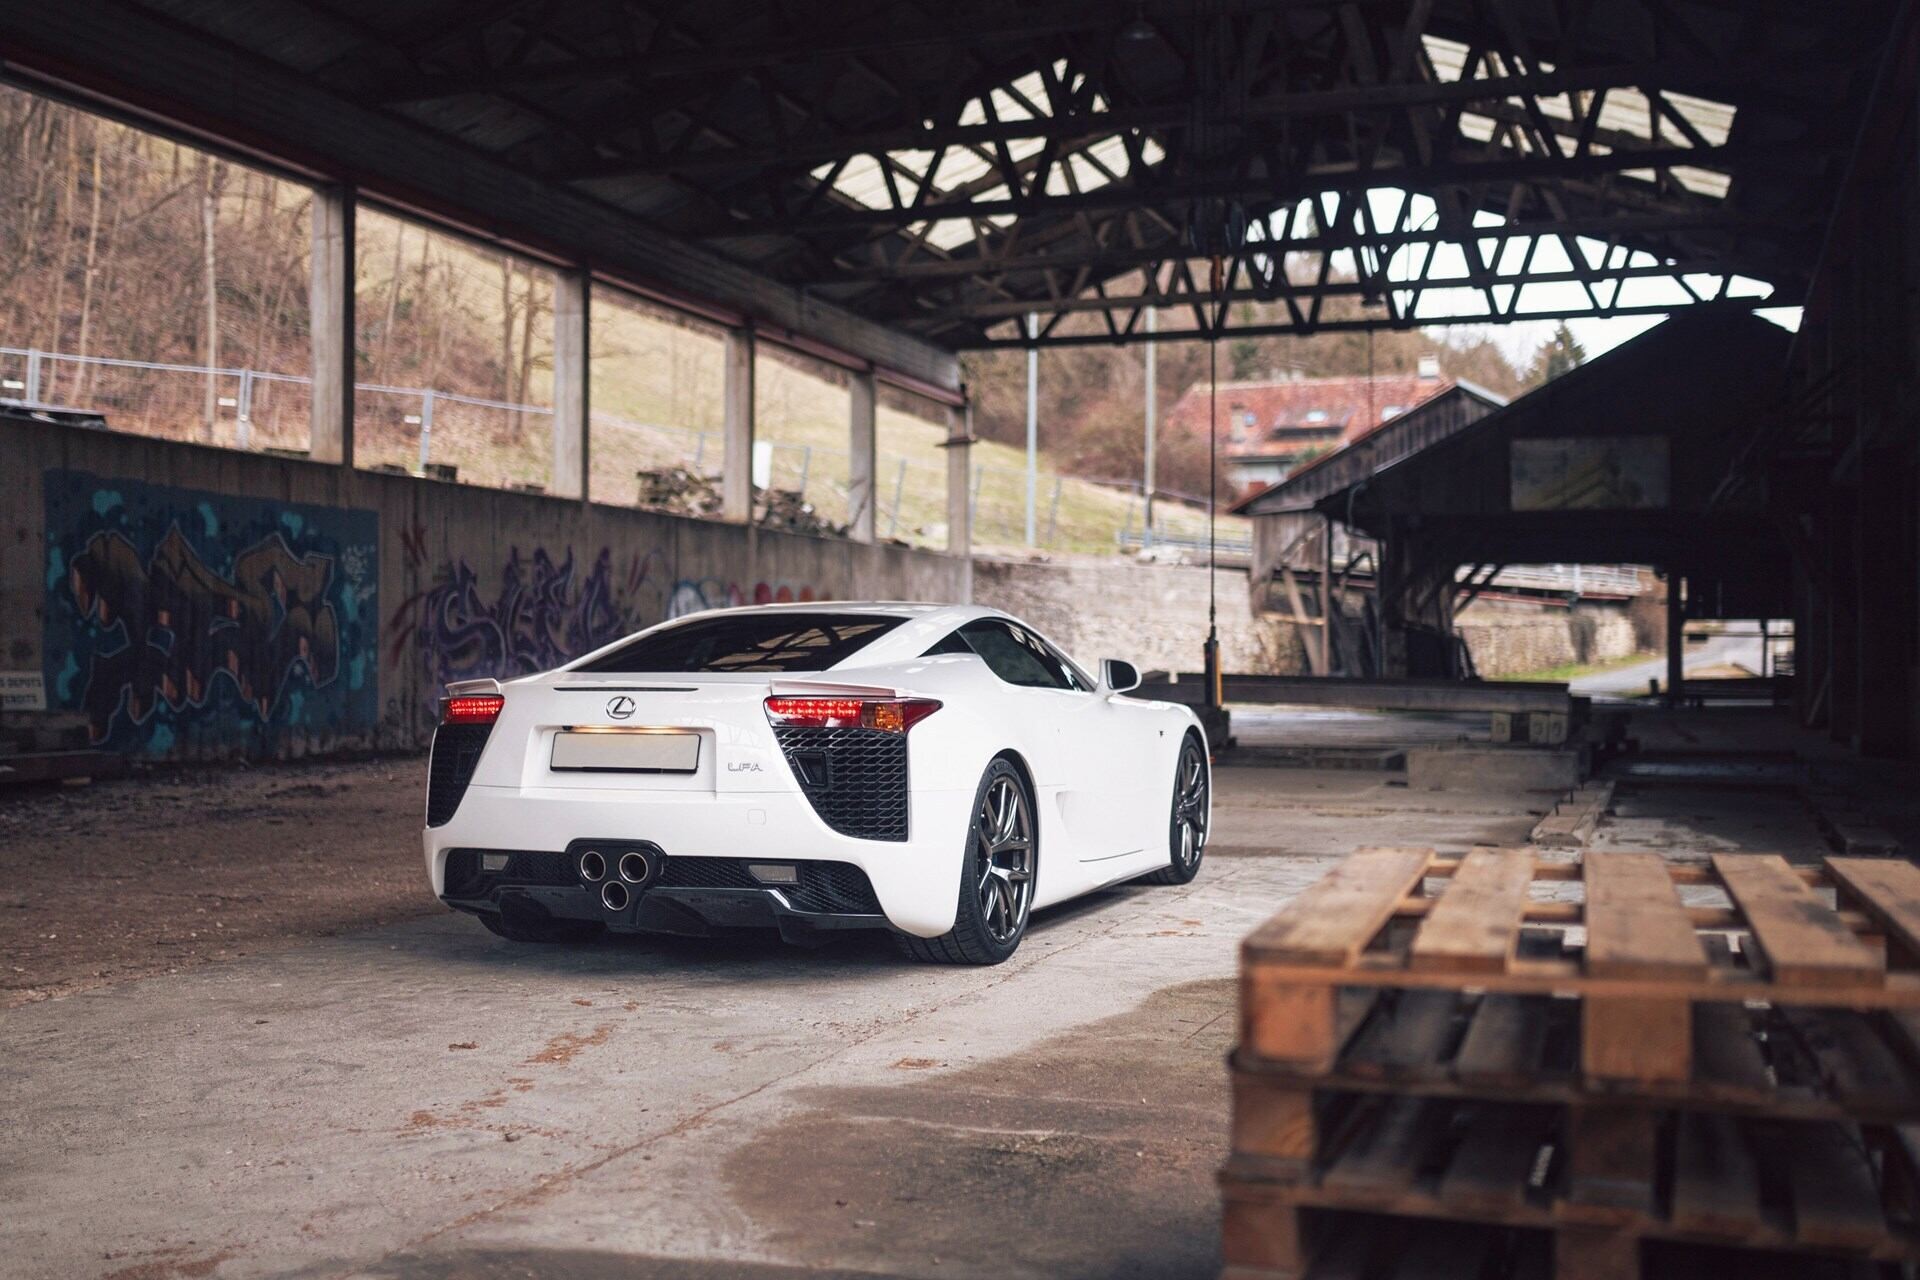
(1676, 637)
(736, 476)
(861, 435)
(959, 448)
(572, 293)
(330, 296)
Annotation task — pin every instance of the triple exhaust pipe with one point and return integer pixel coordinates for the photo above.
(629, 870)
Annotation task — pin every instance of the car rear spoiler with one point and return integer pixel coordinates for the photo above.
(829, 689)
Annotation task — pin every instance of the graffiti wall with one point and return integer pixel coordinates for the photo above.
(544, 607)
(176, 614)
(691, 595)
(538, 610)
(156, 601)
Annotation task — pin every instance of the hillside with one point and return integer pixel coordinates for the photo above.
(125, 246)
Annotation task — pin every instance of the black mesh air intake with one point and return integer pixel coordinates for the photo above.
(456, 752)
(832, 888)
(856, 779)
(465, 879)
(829, 888)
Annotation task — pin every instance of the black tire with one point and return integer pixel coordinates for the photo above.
(996, 877)
(531, 924)
(1187, 820)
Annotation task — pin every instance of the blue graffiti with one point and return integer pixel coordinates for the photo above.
(177, 614)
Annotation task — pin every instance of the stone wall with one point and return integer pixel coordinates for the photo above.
(175, 601)
(1514, 637)
(1152, 615)
(1155, 616)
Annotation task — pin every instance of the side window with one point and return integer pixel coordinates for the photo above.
(952, 642)
(1016, 655)
(1074, 679)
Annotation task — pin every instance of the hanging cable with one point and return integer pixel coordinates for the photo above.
(1214, 680)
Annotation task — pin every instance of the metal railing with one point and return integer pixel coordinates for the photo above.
(1574, 579)
(404, 435)
(1225, 546)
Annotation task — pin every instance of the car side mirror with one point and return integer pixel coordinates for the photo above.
(1117, 676)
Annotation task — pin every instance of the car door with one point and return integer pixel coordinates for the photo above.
(1073, 730)
(1120, 781)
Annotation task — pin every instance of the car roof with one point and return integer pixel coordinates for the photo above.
(893, 608)
(922, 622)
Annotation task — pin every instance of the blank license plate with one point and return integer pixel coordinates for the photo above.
(627, 752)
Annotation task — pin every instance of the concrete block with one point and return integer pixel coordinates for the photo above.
(1472, 767)
(1542, 728)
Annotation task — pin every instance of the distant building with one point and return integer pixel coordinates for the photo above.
(1268, 428)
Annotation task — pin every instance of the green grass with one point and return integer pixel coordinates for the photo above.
(657, 384)
(1575, 670)
(657, 387)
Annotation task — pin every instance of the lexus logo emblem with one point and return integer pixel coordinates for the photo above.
(621, 707)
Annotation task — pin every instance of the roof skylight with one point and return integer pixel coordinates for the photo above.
(1680, 120)
(974, 171)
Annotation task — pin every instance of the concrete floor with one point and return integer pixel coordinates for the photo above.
(422, 1099)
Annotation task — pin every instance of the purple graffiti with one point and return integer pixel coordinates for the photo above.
(544, 614)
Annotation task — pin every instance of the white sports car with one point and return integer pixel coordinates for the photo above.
(939, 771)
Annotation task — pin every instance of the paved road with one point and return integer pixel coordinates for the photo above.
(426, 1100)
(1623, 682)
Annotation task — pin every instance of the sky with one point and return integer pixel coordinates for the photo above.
(1393, 209)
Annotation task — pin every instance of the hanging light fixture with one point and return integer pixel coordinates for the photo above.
(1139, 30)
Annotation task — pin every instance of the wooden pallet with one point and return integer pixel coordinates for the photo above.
(1429, 1040)
(1606, 1181)
(1645, 960)
(1756, 1060)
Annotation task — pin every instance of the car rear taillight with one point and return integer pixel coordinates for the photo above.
(471, 708)
(889, 715)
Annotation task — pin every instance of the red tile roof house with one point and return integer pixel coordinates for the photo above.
(1269, 428)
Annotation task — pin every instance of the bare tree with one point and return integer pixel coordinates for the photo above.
(209, 219)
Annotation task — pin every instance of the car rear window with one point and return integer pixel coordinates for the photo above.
(749, 642)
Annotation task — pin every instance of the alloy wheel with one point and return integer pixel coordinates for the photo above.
(1190, 808)
(1003, 859)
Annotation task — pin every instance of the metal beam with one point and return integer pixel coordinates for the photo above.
(1319, 180)
(161, 70)
(1114, 303)
(1373, 695)
(978, 340)
(861, 38)
(1083, 126)
(1107, 259)
(689, 63)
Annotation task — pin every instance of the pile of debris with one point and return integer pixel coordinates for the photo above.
(788, 510)
(680, 491)
(687, 493)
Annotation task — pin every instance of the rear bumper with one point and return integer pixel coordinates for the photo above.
(916, 881)
(692, 912)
